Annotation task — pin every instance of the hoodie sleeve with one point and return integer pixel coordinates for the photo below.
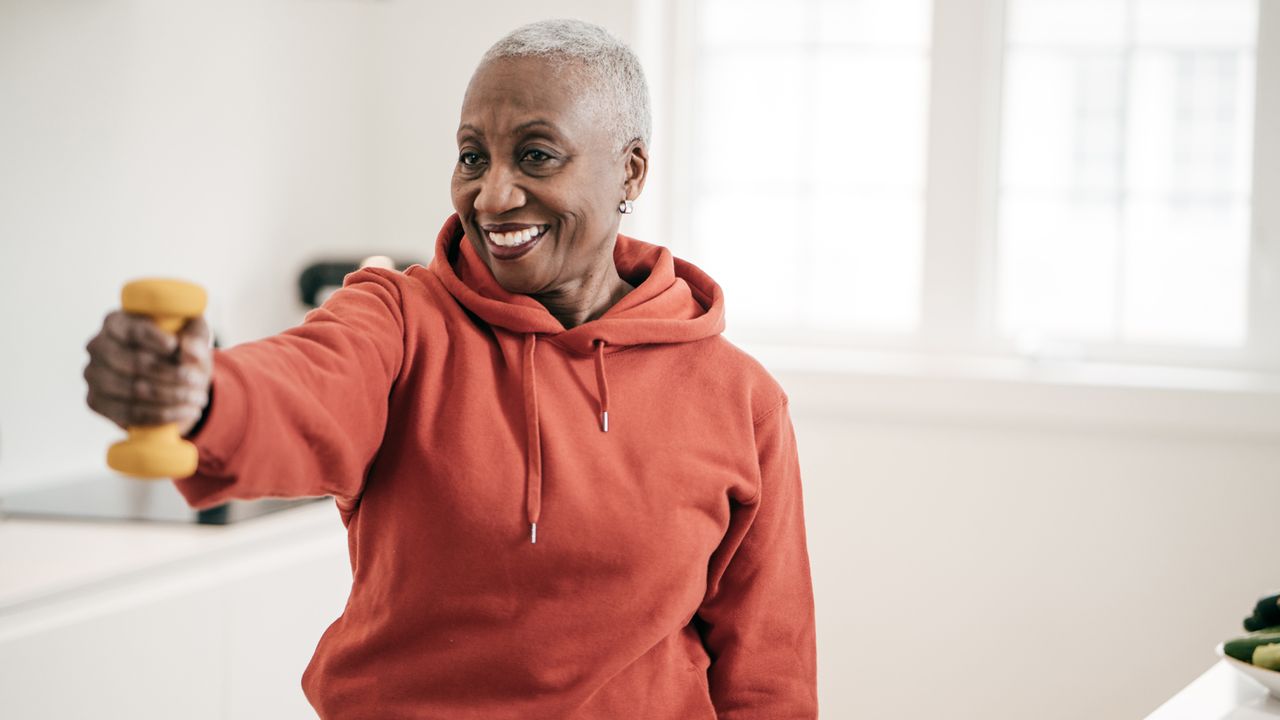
(757, 620)
(302, 413)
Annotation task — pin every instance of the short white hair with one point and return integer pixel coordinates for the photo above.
(609, 70)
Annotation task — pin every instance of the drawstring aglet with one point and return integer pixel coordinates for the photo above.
(604, 420)
(534, 530)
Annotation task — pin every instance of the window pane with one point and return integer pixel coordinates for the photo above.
(1186, 262)
(1062, 120)
(1196, 23)
(749, 111)
(747, 241)
(1066, 23)
(871, 22)
(751, 23)
(1125, 170)
(865, 261)
(1190, 123)
(870, 118)
(808, 160)
(1058, 266)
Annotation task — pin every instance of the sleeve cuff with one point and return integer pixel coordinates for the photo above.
(225, 421)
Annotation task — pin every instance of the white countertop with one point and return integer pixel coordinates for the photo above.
(49, 560)
(43, 560)
(1221, 693)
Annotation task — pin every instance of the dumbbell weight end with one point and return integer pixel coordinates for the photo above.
(154, 452)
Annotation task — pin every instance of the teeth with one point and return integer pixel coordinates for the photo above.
(518, 237)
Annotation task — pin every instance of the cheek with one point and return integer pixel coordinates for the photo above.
(461, 195)
(590, 204)
(606, 193)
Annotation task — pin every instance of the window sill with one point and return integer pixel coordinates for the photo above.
(1001, 391)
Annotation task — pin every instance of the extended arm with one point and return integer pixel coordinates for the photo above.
(302, 413)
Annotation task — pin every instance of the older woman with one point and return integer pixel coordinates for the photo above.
(567, 495)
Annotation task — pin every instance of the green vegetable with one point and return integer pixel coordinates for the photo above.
(1242, 648)
(1267, 656)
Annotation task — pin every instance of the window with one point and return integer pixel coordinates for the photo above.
(1126, 170)
(980, 176)
(796, 177)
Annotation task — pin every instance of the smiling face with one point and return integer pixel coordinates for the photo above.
(539, 179)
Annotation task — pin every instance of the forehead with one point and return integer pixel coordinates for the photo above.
(507, 93)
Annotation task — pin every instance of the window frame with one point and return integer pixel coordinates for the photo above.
(958, 312)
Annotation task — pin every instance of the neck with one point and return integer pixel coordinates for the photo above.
(585, 299)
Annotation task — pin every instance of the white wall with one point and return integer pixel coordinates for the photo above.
(996, 549)
(229, 143)
(222, 142)
(965, 566)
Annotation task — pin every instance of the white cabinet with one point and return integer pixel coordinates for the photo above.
(276, 619)
(151, 659)
(199, 622)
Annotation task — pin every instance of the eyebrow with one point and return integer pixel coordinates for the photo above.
(521, 128)
(525, 127)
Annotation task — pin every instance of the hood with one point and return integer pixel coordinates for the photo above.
(673, 302)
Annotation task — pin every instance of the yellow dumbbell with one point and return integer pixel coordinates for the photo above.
(158, 451)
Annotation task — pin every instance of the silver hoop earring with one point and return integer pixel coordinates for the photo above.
(625, 207)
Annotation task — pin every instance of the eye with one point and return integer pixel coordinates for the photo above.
(536, 155)
(470, 158)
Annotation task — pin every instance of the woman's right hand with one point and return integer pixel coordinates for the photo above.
(140, 375)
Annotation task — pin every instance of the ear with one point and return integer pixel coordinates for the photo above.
(635, 158)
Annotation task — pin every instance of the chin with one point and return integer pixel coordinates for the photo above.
(512, 282)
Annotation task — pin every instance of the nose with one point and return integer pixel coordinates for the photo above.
(499, 192)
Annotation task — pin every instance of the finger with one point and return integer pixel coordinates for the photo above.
(106, 408)
(193, 343)
(127, 364)
(164, 368)
(134, 362)
(125, 413)
(101, 346)
(169, 394)
(118, 387)
(110, 408)
(107, 381)
(139, 331)
(108, 351)
(150, 414)
(196, 327)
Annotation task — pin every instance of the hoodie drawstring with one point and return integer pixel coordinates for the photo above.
(533, 463)
(533, 452)
(602, 385)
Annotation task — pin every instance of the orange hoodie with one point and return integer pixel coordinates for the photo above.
(600, 523)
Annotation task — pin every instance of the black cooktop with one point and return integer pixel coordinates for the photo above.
(115, 497)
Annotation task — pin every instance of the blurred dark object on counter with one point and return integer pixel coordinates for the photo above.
(321, 278)
(1266, 613)
(114, 497)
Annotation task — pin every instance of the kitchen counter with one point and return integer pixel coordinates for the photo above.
(1221, 693)
(150, 620)
(46, 560)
